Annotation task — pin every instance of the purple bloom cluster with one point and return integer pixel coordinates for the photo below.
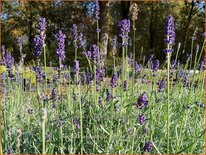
(114, 80)
(100, 74)
(124, 29)
(89, 77)
(39, 73)
(60, 49)
(96, 13)
(170, 34)
(201, 66)
(54, 94)
(137, 69)
(142, 101)
(148, 146)
(9, 63)
(74, 32)
(76, 67)
(39, 40)
(38, 44)
(162, 85)
(142, 119)
(41, 26)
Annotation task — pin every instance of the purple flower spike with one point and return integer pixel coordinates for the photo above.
(76, 67)
(124, 30)
(97, 11)
(74, 32)
(142, 119)
(41, 26)
(162, 85)
(38, 44)
(170, 34)
(142, 101)
(114, 80)
(60, 49)
(148, 146)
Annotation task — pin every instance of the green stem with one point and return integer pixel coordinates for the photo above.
(168, 100)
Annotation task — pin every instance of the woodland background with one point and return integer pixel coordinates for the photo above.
(19, 20)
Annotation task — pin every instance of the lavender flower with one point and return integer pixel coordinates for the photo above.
(38, 44)
(97, 10)
(162, 85)
(170, 34)
(88, 77)
(54, 94)
(142, 101)
(180, 73)
(74, 33)
(76, 67)
(9, 63)
(39, 74)
(114, 80)
(94, 53)
(108, 95)
(116, 108)
(41, 26)
(155, 65)
(137, 69)
(124, 29)
(142, 119)
(100, 74)
(148, 146)
(60, 49)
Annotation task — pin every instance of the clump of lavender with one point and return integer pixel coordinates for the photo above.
(124, 30)
(114, 80)
(142, 101)
(142, 119)
(148, 146)
(162, 85)
(170, 34)
(60, 49)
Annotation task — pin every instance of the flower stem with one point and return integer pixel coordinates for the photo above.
(168, 100)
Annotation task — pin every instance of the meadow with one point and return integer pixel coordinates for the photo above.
(136, 107)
